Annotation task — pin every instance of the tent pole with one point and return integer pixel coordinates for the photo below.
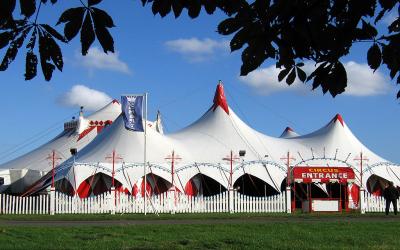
(145, 156)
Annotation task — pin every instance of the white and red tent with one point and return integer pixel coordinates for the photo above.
(203, 147)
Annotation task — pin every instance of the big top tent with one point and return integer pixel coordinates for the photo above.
(203, 147)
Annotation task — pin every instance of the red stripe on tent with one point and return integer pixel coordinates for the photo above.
(148, 188)
(135, 190)
(85, 132)
(355, 194)
(99, 129)
(190, 188)
(84, 189)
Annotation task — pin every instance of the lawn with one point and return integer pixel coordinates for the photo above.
(263, 231)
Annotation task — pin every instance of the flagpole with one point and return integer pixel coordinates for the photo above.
(145, 155)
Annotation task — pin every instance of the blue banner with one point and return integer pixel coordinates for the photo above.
(132, 112)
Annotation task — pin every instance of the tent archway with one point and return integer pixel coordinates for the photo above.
(269, 172)
(201, 184)
(97, 184)
(251, 185)
(376, 185)
(155, 185)
(64, 186)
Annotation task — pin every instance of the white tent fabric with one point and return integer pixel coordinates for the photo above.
(203, 145)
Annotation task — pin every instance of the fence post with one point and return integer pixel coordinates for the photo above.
(288, 201)
(52, 200)
(231, 210)
(172, 201)
(362, 200)
(113, 201)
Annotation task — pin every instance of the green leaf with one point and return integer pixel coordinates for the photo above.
(70, 14)
(229, 26)
(44, 52)
(5, 38)
(105, 38)
(93, 2)
(209, 6)
(239, 39)
(301, 74)
(369, 29)
(291, 77)
(252, 58)
(337, 80)
(55, 53)
(374, 57)
(73, 27)
(283, 74)
(102, 18)
(32, 41)
(87, 34)
(28, 7)
(12, 50)
(31, 63)
(54, 33)
(194, 8)
(6, 9)
(177, 7)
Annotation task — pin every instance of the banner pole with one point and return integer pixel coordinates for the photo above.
(145, 156)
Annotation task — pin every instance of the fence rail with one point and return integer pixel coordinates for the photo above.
(168, 202)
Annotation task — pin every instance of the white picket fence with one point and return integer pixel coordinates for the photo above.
(376, 204)
(10, 204)
(123, 203)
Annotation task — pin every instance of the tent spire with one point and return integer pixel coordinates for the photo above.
(220, 99)
(287, 129)
(339, 118)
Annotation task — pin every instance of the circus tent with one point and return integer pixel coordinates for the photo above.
(203, 147)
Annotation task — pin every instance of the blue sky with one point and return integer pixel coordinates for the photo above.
(179, 62)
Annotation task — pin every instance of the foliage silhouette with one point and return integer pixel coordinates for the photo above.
(288, 32)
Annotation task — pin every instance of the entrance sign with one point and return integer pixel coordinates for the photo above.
(323, 174)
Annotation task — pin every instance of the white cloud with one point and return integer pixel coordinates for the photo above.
(98, 60)
(197, 50)
(80, 95)
(362, 81)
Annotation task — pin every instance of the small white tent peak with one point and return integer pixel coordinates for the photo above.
(288, 133)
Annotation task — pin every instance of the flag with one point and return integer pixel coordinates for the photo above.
(132, 114)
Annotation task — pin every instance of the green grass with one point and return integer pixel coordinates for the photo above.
(101, 217)
(98, 217)
(317, 235)
(327, 231)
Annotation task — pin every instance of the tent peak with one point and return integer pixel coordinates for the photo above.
(289, 129)
(288, 133)
(220, 99)
(339, 118)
